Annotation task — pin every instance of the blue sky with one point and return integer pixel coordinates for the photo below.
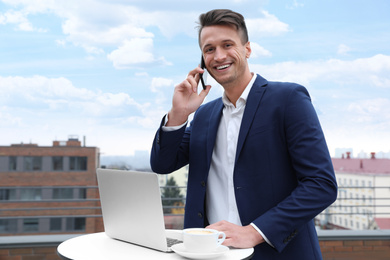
(107, 69)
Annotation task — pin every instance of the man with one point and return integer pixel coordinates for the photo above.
(259, 166)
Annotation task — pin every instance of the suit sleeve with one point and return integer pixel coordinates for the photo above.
(311, 163)
(169, 149)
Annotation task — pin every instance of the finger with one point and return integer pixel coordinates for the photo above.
(228, 242)
(196, 71)
(214, 226)
(194, 81)
(195, 74)
(205, 92)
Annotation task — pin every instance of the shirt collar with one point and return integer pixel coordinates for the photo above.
(244, 96)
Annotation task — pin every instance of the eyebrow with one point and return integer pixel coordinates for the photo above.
(224, 41)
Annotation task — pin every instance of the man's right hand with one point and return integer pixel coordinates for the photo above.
(186, 99)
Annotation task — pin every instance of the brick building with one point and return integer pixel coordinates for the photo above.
(49, 189)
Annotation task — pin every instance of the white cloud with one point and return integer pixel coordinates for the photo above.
(259, 51)
(59, 94)
(124, 32)
(163, 87)
(343, 49)
(87, 34)
(160, 83)
(135, 52)
(373, 71)
(371, 113)
(268, 25)
(7, 118)
(294, 5)
(20, 20)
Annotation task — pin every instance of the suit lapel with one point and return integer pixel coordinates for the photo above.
(215, 118)
(251, 107)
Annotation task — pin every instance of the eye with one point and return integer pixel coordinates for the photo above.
(208, 50)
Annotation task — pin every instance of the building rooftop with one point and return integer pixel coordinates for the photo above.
(363, 166)
(383, 223)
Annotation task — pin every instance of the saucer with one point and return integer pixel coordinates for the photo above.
(181, 250)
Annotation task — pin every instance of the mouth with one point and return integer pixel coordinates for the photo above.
(222, 67)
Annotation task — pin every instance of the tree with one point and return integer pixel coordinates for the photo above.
(171, 195)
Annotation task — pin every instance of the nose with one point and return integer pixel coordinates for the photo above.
(219, 55)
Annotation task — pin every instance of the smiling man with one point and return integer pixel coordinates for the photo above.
(259, 166)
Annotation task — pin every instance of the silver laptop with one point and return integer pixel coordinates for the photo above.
(132, 209)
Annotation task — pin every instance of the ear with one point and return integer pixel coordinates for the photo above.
(248, 50)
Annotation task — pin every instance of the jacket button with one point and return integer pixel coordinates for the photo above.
(200, 215)
(203, 183)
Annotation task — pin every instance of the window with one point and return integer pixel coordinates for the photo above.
(12, 163)
(57, 163)
(7, 194)
(31, 194)
(75, 224)
(82, 193)
(78, 163)
(55, 224)
(30, 225)
(62, 193)
(32, 163)
(8, 226)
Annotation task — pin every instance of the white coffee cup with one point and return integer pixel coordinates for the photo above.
(202, 240)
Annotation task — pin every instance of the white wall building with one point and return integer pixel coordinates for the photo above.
(364, 195)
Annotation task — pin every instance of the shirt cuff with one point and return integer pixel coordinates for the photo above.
(171, 128)
(262, 234)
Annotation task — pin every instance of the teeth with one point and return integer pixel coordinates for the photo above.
(223, 67)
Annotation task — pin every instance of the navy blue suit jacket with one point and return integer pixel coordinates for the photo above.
(283, 174)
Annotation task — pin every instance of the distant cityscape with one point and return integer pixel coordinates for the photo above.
(140, 159)
(340, 152)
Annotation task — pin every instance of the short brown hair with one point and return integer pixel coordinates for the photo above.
(224, 17)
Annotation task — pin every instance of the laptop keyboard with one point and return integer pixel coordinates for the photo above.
(172, 241)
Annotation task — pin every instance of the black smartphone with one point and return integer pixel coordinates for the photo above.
(203, 66)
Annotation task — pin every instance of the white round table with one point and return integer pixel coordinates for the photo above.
(100, 246)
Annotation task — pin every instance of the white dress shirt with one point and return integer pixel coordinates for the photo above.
(221, 200)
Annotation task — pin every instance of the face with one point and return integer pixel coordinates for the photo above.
(225, 55)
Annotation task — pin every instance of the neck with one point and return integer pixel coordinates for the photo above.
(234, 91)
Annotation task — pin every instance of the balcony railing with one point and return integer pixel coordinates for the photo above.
(356, 208)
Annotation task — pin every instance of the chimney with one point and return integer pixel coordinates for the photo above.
(348, 155)
(372, 155)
